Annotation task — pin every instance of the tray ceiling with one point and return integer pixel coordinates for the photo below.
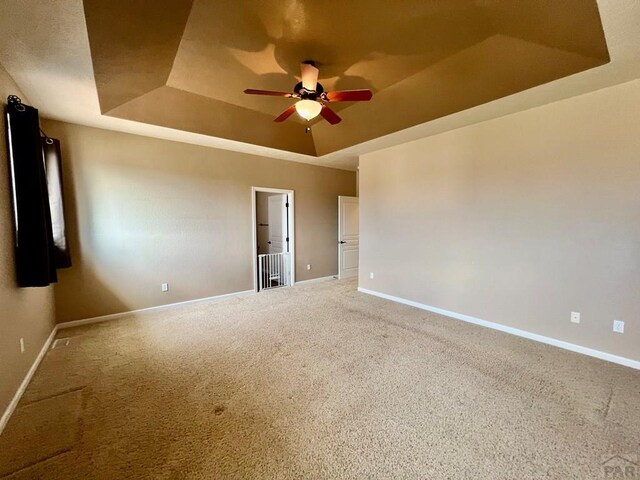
(184, 64)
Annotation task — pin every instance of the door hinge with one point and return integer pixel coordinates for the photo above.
(286, 204)
(287, 239)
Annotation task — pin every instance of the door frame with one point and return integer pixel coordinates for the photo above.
(254, 230)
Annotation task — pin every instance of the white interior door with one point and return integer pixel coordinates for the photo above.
(277, 223)
(348, 237)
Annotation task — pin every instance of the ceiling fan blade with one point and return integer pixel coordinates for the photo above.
(286, 114)
(350, 96)
(252, 91)
(309, 76)
(329, 115)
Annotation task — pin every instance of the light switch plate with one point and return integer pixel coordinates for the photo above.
(618, 326)
(164, 287)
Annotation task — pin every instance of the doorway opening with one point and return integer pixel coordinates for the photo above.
(273, 238)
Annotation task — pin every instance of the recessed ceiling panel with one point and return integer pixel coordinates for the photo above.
(133, 45)
(184, 64)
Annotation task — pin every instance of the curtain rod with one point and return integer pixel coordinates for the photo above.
(17, 101)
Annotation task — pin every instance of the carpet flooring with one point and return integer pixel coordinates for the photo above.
(317, 382)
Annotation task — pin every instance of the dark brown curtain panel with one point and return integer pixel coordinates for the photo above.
(35, 255)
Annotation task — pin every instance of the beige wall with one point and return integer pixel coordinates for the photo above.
(519, 220)
(144, 211)
(24, 312)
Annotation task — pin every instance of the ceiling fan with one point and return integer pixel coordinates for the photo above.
(312, 99)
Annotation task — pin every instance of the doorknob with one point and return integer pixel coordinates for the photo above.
(342, 241)
(269, 242)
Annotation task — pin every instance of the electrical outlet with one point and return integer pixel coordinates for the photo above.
(575, 317)
(370, 274)
(308, 266)
(164, 287)
(618, 326)
(22, 345)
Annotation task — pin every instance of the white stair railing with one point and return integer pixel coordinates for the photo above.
(274, 270)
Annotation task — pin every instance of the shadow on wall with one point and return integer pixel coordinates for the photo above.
(133, 226)
(83, 287)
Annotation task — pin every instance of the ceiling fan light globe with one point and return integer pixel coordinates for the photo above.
(308, 109)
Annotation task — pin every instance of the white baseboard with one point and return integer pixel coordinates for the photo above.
(318, 280)
(25, 382)
(115, 316)
(627, 362)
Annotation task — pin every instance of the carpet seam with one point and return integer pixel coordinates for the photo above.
(33, 464)
(48, 397)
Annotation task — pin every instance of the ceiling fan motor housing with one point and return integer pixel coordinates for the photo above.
(308, 94)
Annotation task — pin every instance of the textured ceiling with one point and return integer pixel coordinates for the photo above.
(45, 48)
(183, 64)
